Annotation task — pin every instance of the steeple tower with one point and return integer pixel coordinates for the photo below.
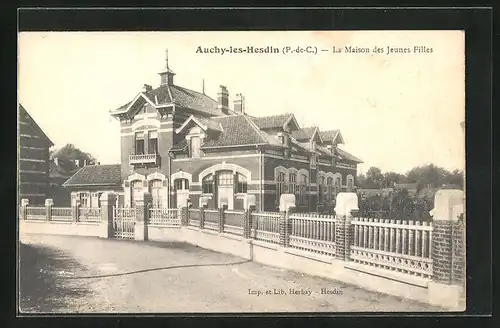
(166, 75)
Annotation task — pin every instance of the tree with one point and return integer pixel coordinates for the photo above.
(68, 154)
(390, 178)
(428, 175)
(374, 178)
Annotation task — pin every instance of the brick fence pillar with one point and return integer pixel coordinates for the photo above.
(221, 218)
(24, 206)
(48, 209)
(287, 206)
(346, 205)
(107, 200)
(448, 249)
(249, 206)
(184, 216)
(142, 204)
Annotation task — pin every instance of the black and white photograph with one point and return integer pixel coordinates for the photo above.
(241, 171)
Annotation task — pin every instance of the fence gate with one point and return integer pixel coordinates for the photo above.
(124, 223)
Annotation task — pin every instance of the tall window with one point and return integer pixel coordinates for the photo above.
(321, 190)
(195, 144)
(292, 183)
(156, 193)
(241, 184)
(350, 184)
(136, 191)
(208, 184)
(329, 186)
(338, 185)
(153, 142)
(303, 189)
(280, 185)
(84, 199)
(139, 143)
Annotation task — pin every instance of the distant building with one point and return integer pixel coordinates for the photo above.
(33, 161)
(180, 144)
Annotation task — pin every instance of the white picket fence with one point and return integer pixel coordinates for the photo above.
(313, 232)
(403, 246)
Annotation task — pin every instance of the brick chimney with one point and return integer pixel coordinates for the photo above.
(56, 161)
(223, 99)
(239, 104)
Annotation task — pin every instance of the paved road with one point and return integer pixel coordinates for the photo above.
(82, 274)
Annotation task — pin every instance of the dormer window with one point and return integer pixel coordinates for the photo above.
(139, 143)
(194, 146)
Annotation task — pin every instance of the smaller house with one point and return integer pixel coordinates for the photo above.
(90, 181)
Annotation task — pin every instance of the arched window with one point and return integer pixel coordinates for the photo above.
(156, 187)
(208, 184)
(292, 183)
(280, 185)
(303, 189)
(322, 189)
(350, 183)
(338, 185)
(136, 189)
(329, 185)
(241, 184)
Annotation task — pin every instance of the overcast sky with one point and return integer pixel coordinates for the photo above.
(395, 111)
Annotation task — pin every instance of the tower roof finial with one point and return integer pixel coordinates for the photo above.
(166, 58)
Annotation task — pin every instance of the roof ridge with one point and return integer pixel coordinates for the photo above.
(200, 93)
(256, 128)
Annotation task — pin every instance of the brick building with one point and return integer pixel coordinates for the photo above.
(33, 161)
(181, 144)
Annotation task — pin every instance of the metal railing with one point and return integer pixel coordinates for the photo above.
(265, 226)
(164, 217)
(143, 158)
(36, 213)
(64, 214)
(233, 222)
(89, 214)
(211, 219)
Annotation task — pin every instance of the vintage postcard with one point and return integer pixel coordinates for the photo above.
(241, 172)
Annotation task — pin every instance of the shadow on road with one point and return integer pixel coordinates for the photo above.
(159, 269)
(41, 288)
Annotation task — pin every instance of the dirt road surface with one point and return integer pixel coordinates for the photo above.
(68, 274)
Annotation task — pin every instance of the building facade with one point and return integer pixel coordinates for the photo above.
(181, 145)
(33, 163)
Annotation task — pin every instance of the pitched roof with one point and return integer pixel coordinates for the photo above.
(330, 135)
(96, 175)
(273, 121)
(238, 131)
(304, 133)
(24, 116)
(342, 154)
(183, 97)
(205, 123)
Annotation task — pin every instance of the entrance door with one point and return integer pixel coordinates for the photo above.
(225, 189)
(182, 191)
